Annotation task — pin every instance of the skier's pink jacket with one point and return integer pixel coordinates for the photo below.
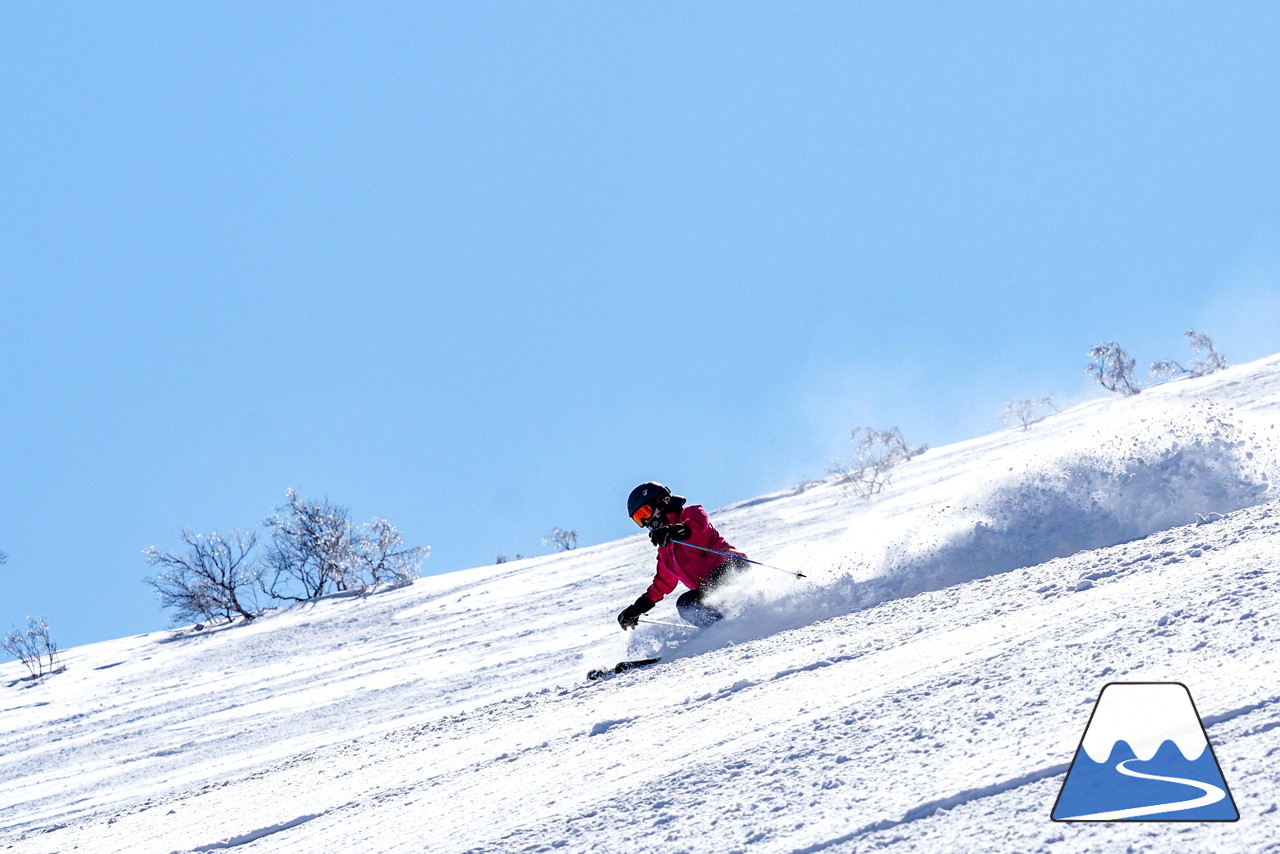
(683, 564)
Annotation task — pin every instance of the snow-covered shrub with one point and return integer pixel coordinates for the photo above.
(1028, 411)
(1112, 367)
(1201, 345)
(876, 453)
(211, 580)
(562, 539)
(315, 549)
(380, 560)
(311, 549)
(35, 647)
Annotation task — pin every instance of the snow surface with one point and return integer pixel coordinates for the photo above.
(923, 690)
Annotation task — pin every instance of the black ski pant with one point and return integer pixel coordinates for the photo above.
(693, 609)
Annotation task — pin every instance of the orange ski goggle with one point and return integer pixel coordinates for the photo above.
(643, 515)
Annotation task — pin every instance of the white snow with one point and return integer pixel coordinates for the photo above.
(923, 690)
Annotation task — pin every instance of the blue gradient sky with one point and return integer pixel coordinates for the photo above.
(480, 268)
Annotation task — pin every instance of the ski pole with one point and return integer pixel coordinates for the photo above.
(737, 557)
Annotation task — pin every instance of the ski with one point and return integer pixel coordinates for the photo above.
(621, 667)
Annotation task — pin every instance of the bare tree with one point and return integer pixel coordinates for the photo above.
(1028, 411)
(876, 453)
(311, 551)
(379, 558)
(210, 580)
(1112, 368)
(564, 540)
(35, 648)
(1201, 345)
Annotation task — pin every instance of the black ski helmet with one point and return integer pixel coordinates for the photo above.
(646, 493)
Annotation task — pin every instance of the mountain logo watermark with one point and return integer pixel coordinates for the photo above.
(1145, 756)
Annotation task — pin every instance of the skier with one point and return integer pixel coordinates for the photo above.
(670, 522)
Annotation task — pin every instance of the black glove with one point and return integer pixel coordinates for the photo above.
(664, 534)
(631, 614)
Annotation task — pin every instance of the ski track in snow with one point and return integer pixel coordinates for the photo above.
(932, 710)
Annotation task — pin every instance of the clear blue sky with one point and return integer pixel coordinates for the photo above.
(481, 268)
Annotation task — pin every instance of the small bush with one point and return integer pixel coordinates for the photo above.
(1112, 367)
(1201, 345)
(876, 453)
(211, 580)
(315, 549)
(35, 648)
(310, 550)
(564, 540)
(1028, 411)
(378, 559)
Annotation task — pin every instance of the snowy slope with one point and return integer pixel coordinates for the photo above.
(924, 689)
